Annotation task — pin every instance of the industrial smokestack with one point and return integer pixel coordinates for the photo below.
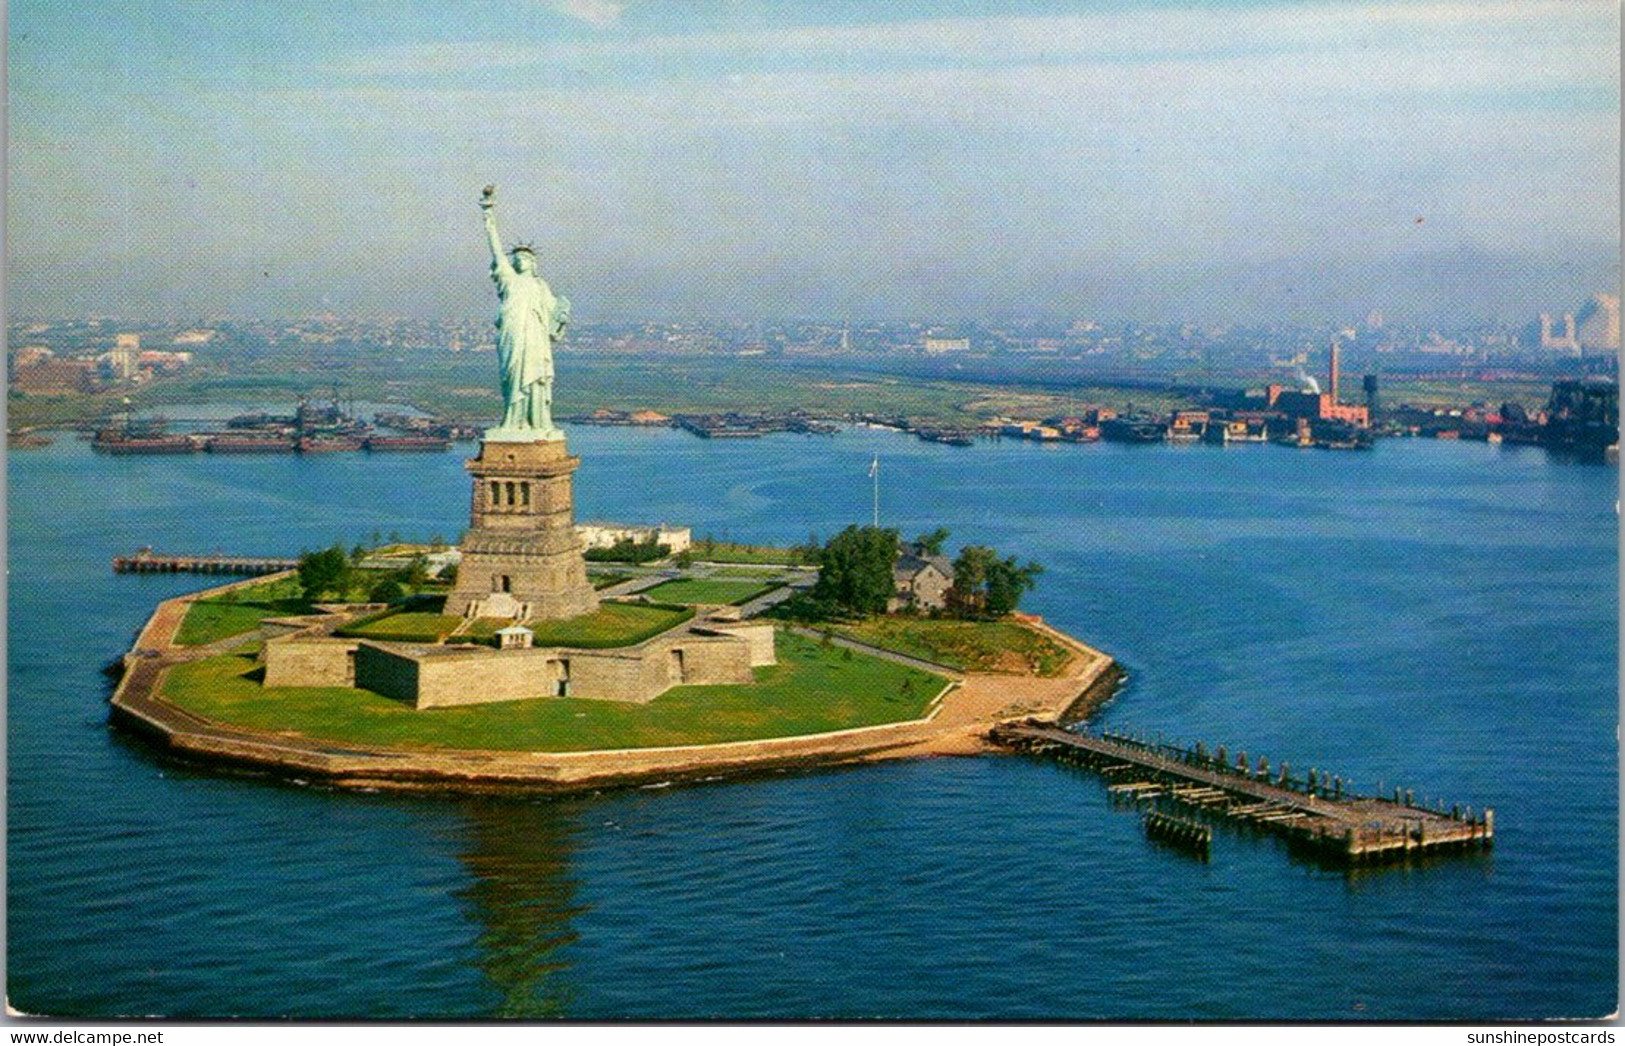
(1335, 368)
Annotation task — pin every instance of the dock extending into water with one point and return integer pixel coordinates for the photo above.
(149, 562)
(1314, 810)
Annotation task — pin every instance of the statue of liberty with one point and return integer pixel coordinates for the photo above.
(529, 317)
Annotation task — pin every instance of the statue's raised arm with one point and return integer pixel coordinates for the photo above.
(499, 258)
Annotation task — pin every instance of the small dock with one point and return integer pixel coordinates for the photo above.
(149, 562)
(1314, 810)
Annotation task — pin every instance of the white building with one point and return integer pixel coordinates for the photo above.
(123, 356)
(606, 535)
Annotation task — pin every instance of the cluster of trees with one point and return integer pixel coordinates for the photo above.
(325, 573)
(988, 586)
(855, 571)
(628, 551)
(333, 573)
(855, 575)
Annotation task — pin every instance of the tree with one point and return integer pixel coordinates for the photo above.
(810, 552)
(324, 572)
(931, 543)
(855, 570)
(986, 585)
(387, 591)
(1006, 581)
(416, 573)
(970, 579)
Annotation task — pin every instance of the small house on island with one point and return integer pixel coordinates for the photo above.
(922, 581)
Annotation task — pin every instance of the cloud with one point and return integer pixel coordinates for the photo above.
(594, 12)
(1176, 35)
(1084, 160)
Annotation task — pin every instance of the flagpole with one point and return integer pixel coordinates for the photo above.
(874, 472)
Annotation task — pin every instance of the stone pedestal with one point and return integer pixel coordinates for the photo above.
(521, 555)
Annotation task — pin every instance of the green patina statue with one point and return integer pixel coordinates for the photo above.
(528, 319)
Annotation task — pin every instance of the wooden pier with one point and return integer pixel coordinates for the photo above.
(149, 562)
(1314, 811)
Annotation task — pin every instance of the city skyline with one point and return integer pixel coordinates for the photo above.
(1129, 161)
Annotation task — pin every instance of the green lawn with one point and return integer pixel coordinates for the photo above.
(760, 571)
(409, 626)
(729, 552)
(611, 625)
(207, 621)
(240, 610)
(974, 646)
(813, 689)
(607, 580)
(707, 591)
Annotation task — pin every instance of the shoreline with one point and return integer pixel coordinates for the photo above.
(956, 723)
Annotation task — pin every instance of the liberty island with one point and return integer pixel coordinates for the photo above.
(522, 586)
(467, 692)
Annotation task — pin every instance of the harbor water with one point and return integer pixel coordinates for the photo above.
(1438, 616)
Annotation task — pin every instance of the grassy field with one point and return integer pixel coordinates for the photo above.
(459, 384)
(974, 646)
(607, 580)
(811, 690)
(410, 626)
(1530, 394)
(240, 610)
(709, 551)
(611, 625)
(208, 621)
(707, 591)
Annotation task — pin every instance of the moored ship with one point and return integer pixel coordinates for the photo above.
(323, 444)
(406, 443)
(268, 444)
(117, 441)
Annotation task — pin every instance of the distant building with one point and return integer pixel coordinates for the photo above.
(1556, 337)
(922, 581)
(934, 345)
(56, 376)
(29, 355)
(195, 336)
(158, 359)
(1316, 405)
(1598, 322)
(122, 359)
(607, 535)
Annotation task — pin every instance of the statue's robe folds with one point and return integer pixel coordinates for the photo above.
(528, 318)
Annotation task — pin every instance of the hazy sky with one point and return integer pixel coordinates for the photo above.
(1116, 160)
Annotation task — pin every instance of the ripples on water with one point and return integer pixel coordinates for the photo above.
(1434, 615)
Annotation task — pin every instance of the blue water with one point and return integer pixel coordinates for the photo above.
(1442, 616)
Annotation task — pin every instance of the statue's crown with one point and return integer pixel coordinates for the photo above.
(527, 248)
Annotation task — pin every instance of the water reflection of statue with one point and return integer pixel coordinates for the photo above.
(522, 894)
(528, 319)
